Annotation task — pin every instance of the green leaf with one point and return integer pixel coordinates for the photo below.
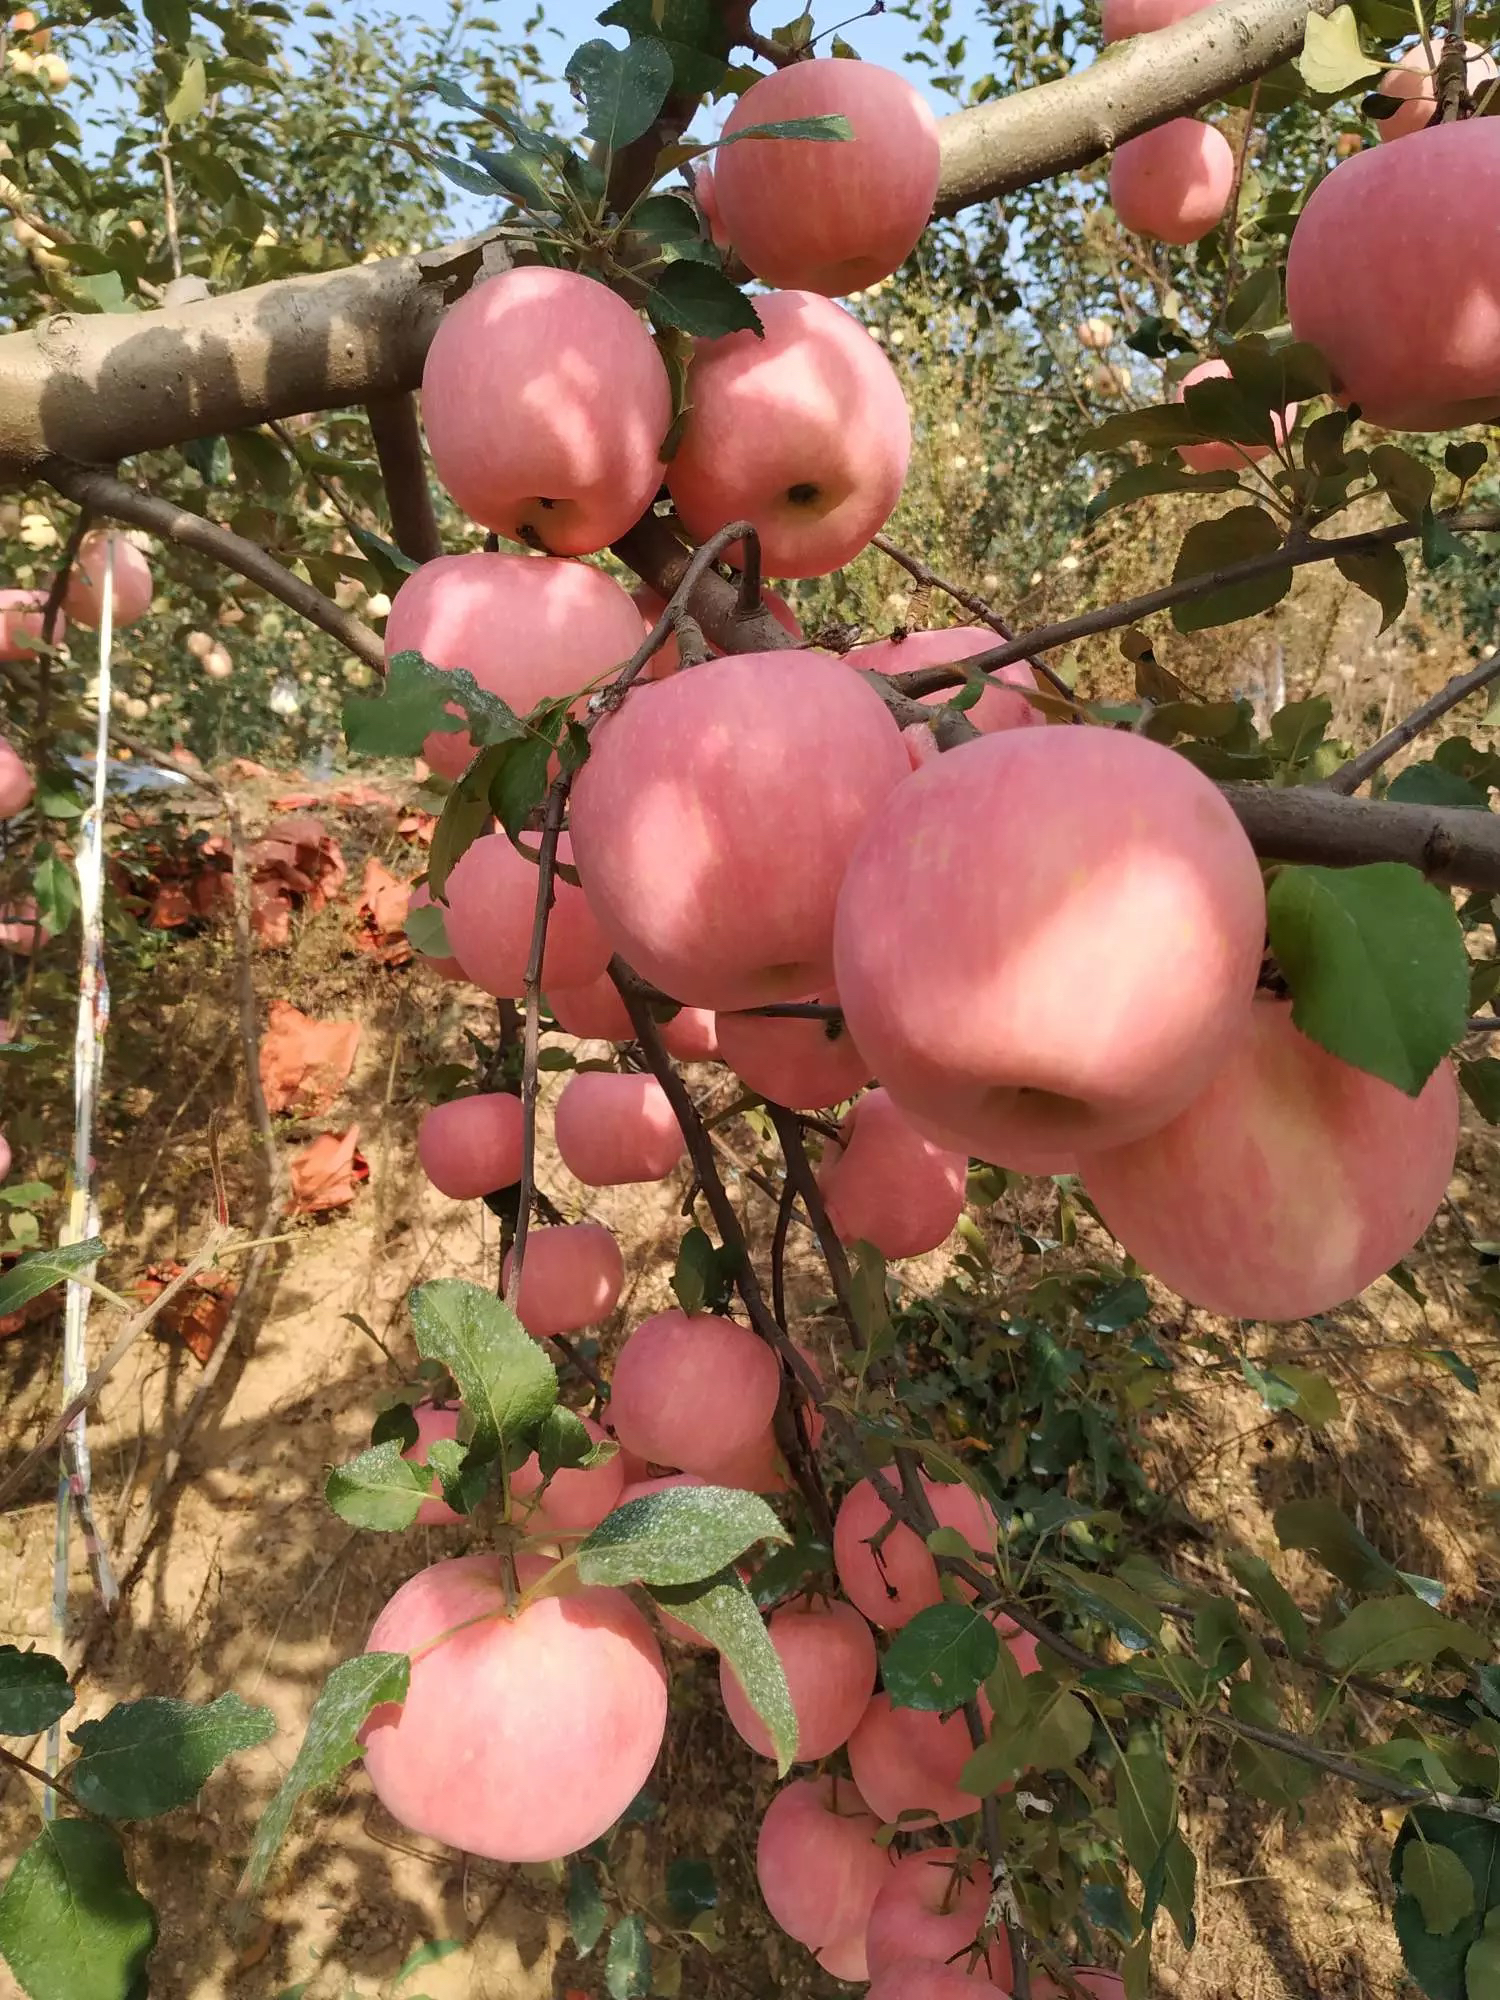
(1440, 1883)
(58, 796)
(586, 1913)
(395, 566)
(351, 1691)
(1257, 302)
(1406, 482)
(622, 89)
(1439, 1962)
(721, 1609)
(1480, 1078)
(1381, 574)
(72, 1924)
(34, 1691)
(696, 1264)
(1439, 543)
(699, 299)
(379, 1489)
(692, 31)
(627, 1963)
(1376, 964)
(518, 172)
(563, 1443)
(465, 816)
(869, 1301)
(1464, 457)
(432, 1953)
(940, 1659)
(171, 19)
(1434, 785)
(1387, 1632)
(691, 1889)
(39, 1270)
(427, 929)
(507, 1383)
(681, 1535)
(828, 126)
(188, 99)
(1139, 482)
(413, 702)
(1209, 546)
(1146, 1801)
(464, 1477)
(668, 220)
(1318, 1527)
(1135, 1622)
(56, 888)
(1332, 60)
(473, 180)
(150, 1756)
(260, 465)
(1482, 1965)
(518, 781)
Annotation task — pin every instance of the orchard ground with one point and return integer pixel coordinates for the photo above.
(253, 1584)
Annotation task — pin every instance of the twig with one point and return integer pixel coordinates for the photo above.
(1000, 1891)
(51, 612)
(921, 573)
(1349, 777)
(749, 599)
(113, 497)
(169, 199)
(398, 446)
(557, 799)
(1232, 223)
(1452, 85)
(45, 1778)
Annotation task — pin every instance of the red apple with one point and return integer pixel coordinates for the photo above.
(528, 630)
(83, 600)
(21, 927)
(546, 405)
(909, 1760)
(491, 897)
(522, 1737)
(828, 216)
(808, 1064)
(670, 817)
(1122, 18)
(1173, 182)
(802, 430)
(1413, 80)
(571, 1278)
(593, 1013)
(708, 205)
(692, 1034)
(892, 1583)
(22, 616)
(828, 1656)
(1084, 984)
(616, 1128)
(472, 1146)
(932, 1907)
(691, 1390)
(819, 1869)
(922, 1979)
(575, 1500)
(1219, 457)
(1288, 1185)
(884, 1182)
(17, 786)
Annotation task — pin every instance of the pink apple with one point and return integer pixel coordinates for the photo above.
(884, 1182)
(1173, 182)
(808, 1064)
(922, 1979)
(891, 1583)
(828, 216)
(593, 1013)
(1082, 986)
(17, 786)
(571, 1278)
(803, 431)
(22, 617)
(21, 927)
(83, 600)
(1121, 18)
(1226, 457)
(445, 968)
(575, 1500)
(932, 1907)
(616, 1128)
(491, 897)
(999, 707)
(1413, 80)
(1421, 357)
(691, 1390)
(546, 405)
(5, 1156)
(760, 1467)
(472, 1146)
(828, 1655)
(1288, 1185)
(522, 1737)
(819, 1869)
(670, 817)
(433, 1424)
(692, 1034)
(708, 205)
(527, 629)
(909, 1760)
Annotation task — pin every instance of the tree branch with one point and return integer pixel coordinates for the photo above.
(106, 495)
(929, 579)
(398, 446)
(1353, 774)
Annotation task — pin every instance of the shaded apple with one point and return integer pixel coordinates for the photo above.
(820, 1870)
(883, 1181)
(472, 1146)
(571, 1278)
(827, 1653)
(83, 600)
(808, 1064)
(891, 1583)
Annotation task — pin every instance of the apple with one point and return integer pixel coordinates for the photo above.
(83, 600)
(1413, 80)
(432, 1424)
(17, 786)
(1095, 334)
(997, 708)
(1289, 1184)
(5, 1156)
(1429, 361)
(670, 817)
(1223, 457)
(760, 1467)
(22, 616)
(594, 1013)
(820, 1870)
(614, 1128)
(491, 898)
(21, 927)
(691, 1390)
(819, 216)
(692, 1034)
(884, 1182)
(527, 629)
(472, 1146)
(708, 205)
(574, 1500)
(1084, 984)
(546, 405)
(1121, 18)
(445, 968)
(217, 664)
(891, 1583)
(932, 1907)
(802, 430)
(922, 1979)
(827, 1653)
(808, 1064)
(1173, 182)
(571, 1278)
(524, 1735)
(910, 1759)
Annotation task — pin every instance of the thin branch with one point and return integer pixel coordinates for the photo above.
(51, 613)
(1232, 223)
(749, 599)
(557, 799)
(118, 501)
(921, 573)
(1352, 775)
(398, 446)
(45, 1778)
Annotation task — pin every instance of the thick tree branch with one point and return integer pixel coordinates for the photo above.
(104, 494)
(398, 446)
